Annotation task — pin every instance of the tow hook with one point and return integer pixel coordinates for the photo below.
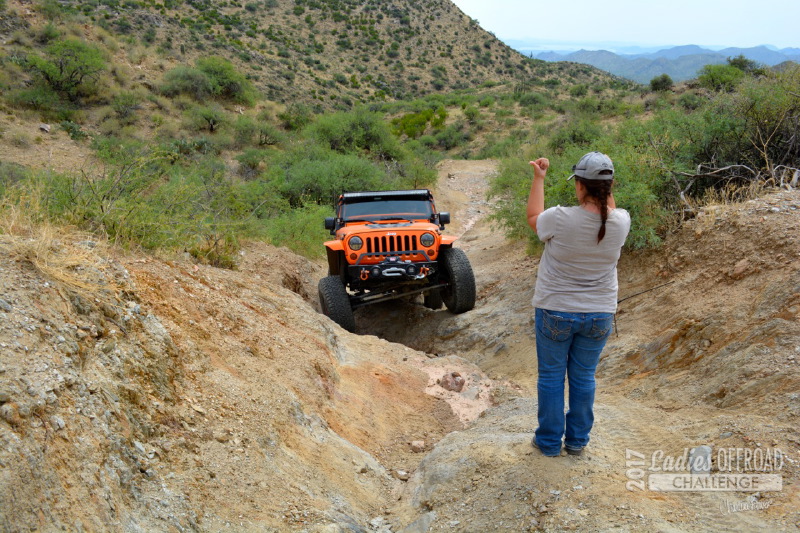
(423, 272)
(364, 274)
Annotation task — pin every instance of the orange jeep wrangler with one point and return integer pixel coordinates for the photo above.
(389, 244)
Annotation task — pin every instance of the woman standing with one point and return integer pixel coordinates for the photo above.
(575, 297)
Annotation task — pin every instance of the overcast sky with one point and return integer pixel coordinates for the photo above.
(742, 23)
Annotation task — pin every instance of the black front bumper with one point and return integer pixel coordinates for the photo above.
(391, 268)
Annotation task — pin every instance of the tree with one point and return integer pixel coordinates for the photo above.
(225, 80)
(661, 83)
(71, 67)
(720, 77)
(742, 63)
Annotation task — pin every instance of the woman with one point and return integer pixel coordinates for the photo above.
(575, 297)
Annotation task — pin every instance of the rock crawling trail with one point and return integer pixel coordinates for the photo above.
(145, 394)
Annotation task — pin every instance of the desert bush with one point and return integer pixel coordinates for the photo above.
(721, 78)
(300, 230)
(295, 116)
(212, 76)
(73, 130)
(691, 101)
(661, 83)
(578, 132)
(356, 132)
(269, 135)
(578, 91)
(226, 81)
(312, 174)
(125, 104)
(451, 137)
(245, 129)
(210, 117)
(250, 160)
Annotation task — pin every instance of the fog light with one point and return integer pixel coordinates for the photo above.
(376, 272)
(411, 270)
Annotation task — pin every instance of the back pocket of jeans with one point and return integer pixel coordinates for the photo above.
(601, 327)
(555, 327)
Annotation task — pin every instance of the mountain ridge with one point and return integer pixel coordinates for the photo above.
(679, 62)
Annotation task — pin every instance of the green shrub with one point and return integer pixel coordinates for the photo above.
(245, 129)
(356, 132)
(210, 117)
(721, 78)
(579, 132)
(250, 161)
(301, 230)
(577, 91)
(312, 174)
(661, 83)
(74, 130)
(269, 135)
(451, 137)
(125, 105)
(48, 33)
(186, 80)
(472, 114)
(296, 116)
(690, 101)
(226, 81)
(212, 76)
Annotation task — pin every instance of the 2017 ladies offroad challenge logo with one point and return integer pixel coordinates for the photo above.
(700, 469)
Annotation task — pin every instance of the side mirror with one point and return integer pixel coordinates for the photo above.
(444, 218)
(330, 224)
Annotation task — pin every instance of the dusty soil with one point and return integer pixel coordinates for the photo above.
(143, 394)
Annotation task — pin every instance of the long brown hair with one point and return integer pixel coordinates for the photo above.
(599, 190)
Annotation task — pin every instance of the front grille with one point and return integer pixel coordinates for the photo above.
(391, 243)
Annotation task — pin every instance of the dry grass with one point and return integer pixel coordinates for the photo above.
(75, 262)
(734, 193)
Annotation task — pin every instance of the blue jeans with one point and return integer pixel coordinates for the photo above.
(567, 344)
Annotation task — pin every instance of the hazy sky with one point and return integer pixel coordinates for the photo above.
(742, 23)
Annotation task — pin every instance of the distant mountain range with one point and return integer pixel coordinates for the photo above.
(680, 62)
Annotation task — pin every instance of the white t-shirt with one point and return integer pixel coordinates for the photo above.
(576, 273)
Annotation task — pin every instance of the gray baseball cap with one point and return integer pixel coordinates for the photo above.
(594, 166)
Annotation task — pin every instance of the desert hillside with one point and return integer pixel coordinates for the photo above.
(143, 394)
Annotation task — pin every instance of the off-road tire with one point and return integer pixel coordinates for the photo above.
(459, 295)
(433, 299)
(335, 302)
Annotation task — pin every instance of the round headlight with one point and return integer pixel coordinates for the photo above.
(427, 239)
(355, 243)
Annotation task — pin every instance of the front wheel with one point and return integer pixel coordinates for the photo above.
(335, 302)
(459, 294)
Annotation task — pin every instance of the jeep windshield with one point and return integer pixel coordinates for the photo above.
(384, 210)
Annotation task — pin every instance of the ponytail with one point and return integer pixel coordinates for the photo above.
(600, 190)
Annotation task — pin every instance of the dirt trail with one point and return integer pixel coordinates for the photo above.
(157, 394)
